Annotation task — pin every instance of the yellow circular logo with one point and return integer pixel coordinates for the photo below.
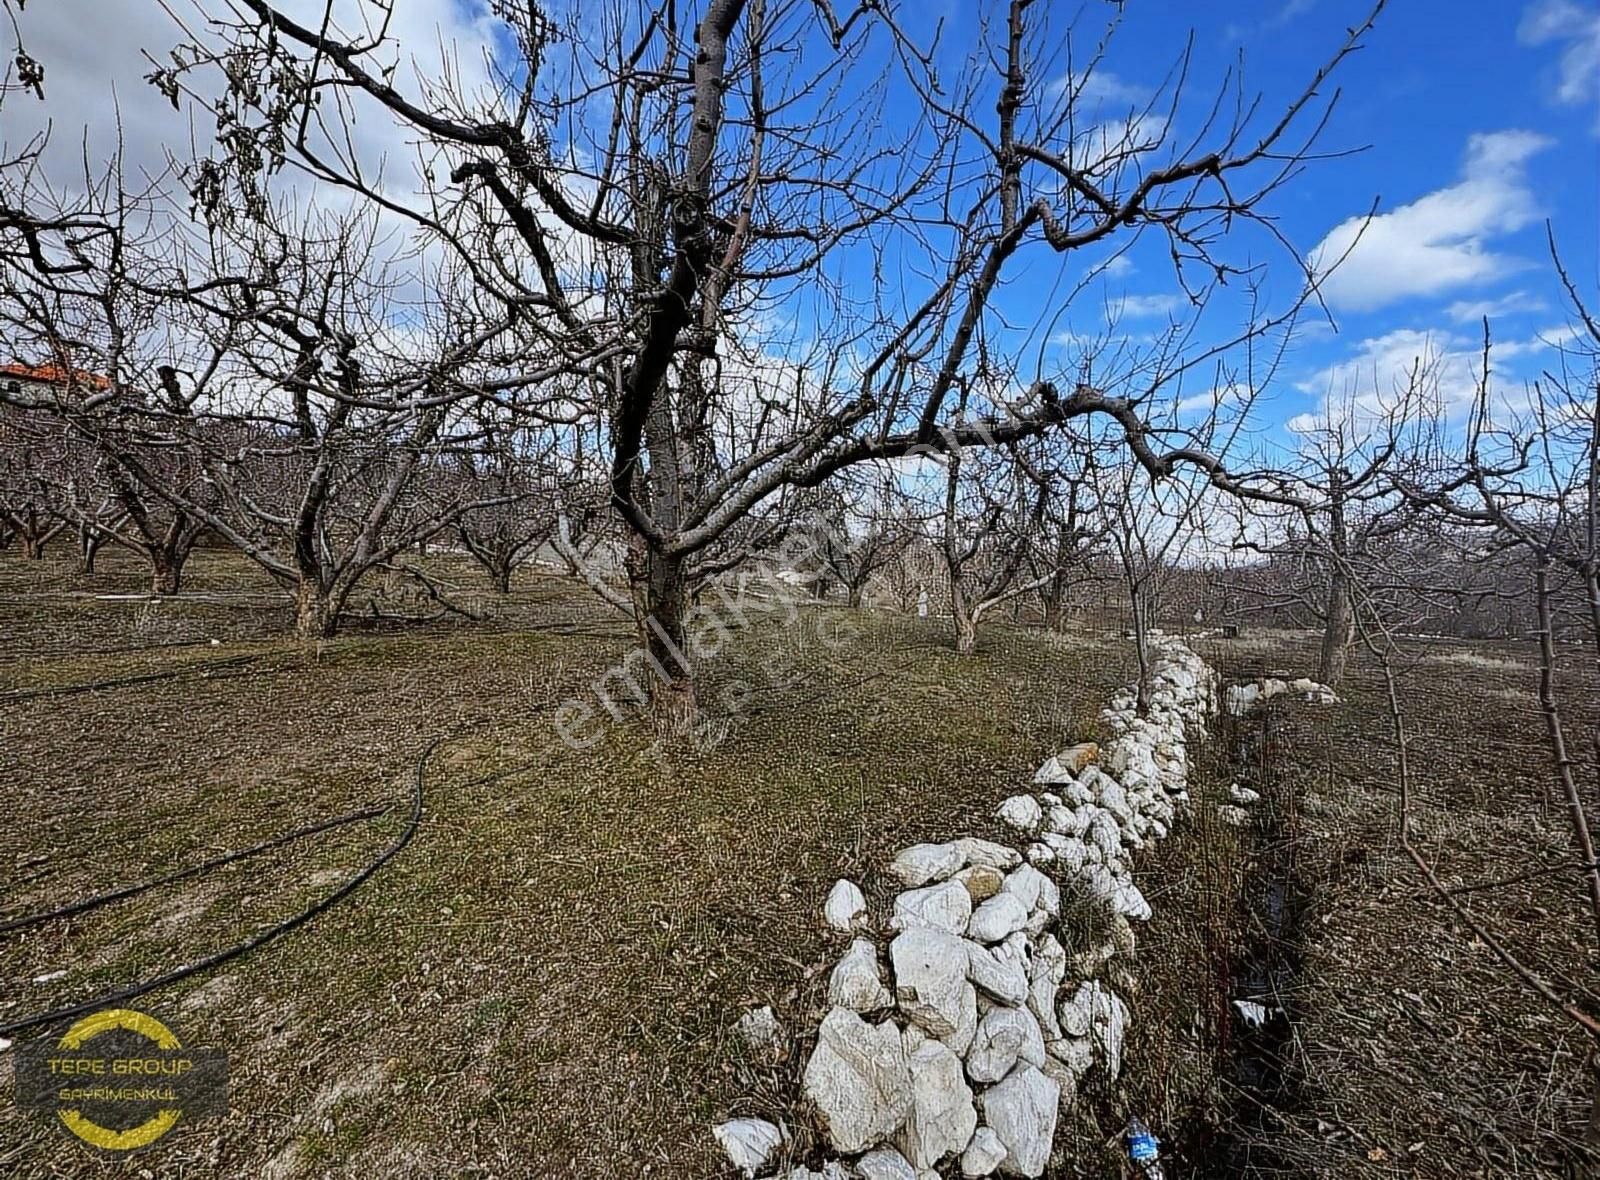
(119, 1080)
(157, 1124)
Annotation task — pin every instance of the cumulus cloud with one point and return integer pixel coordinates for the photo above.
(1100, 87)
(1471, 311)
(1146, 306)
(1440, 241)
(97, 98)
(1369, 383)
(1577, 29)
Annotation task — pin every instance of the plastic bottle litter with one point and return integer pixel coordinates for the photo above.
(1144, 1149)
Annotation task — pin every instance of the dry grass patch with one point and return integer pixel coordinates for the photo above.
(542, 984)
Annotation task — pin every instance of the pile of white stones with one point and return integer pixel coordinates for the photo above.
(1244, 697)
(956, 1037)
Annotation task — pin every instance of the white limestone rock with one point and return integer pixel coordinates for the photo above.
(924, 863)
(1128, 901)
(960, 1041)
(885, 1163)
(942, 1117)
(749, 1143)
(946, 906)
(1098, 882)
(1105, 835)
(1021, 812)
(1005, 1036)
(1243, 796)
(858, 1079)
(845, 908)
(1078, 793)
(986, 853)
(930, 978)
(760, 1031)
(1002, 915)
(1065, 1079)
(1071, 854)
(1076, 1013)
(1001, 973)
(1059, 819)
(1022, 1110)
(1033, 889)
(857, 982)
(981, 881)
(1108, 1026)
(1242, 697)
(1074, 1054)
(983, 1154)
(1049, 968)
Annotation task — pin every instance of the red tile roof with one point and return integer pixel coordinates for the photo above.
(55, 375)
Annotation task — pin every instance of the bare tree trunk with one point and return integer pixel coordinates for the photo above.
(1054, 594)
(966, 631)
(1337, 633)
(1340, 621)
(33, 535)
(664, 595)
(855, 595)
(89, 542)
(1558, 746)
(166, 575)
(316, 613)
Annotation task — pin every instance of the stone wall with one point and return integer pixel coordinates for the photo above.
(961, 1023)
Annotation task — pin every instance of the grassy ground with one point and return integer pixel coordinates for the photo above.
(543, 982)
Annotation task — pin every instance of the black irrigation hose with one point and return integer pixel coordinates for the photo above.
(66, 651)
(259, 940)
(67, 690)
(217, 862)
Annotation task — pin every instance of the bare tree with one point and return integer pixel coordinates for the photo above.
(863, 530)
(1528, 478)
(701, 174)
(993, 515)
(1340, 532)
(34, 465)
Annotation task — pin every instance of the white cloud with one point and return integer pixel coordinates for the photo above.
(1542, 341)
(1370, 383)
(1475, 310)
(1146, 306)
(96, 96)
(1292, 9)
(1440, 241)
(1577, 28)
(1217, 399)
(1100, 87)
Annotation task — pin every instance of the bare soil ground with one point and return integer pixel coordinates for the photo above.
(543, 983)
(1411, 1050)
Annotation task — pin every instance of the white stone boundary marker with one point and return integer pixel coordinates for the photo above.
(960, 1031)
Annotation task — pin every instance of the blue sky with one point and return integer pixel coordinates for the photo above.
(1479, 121)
